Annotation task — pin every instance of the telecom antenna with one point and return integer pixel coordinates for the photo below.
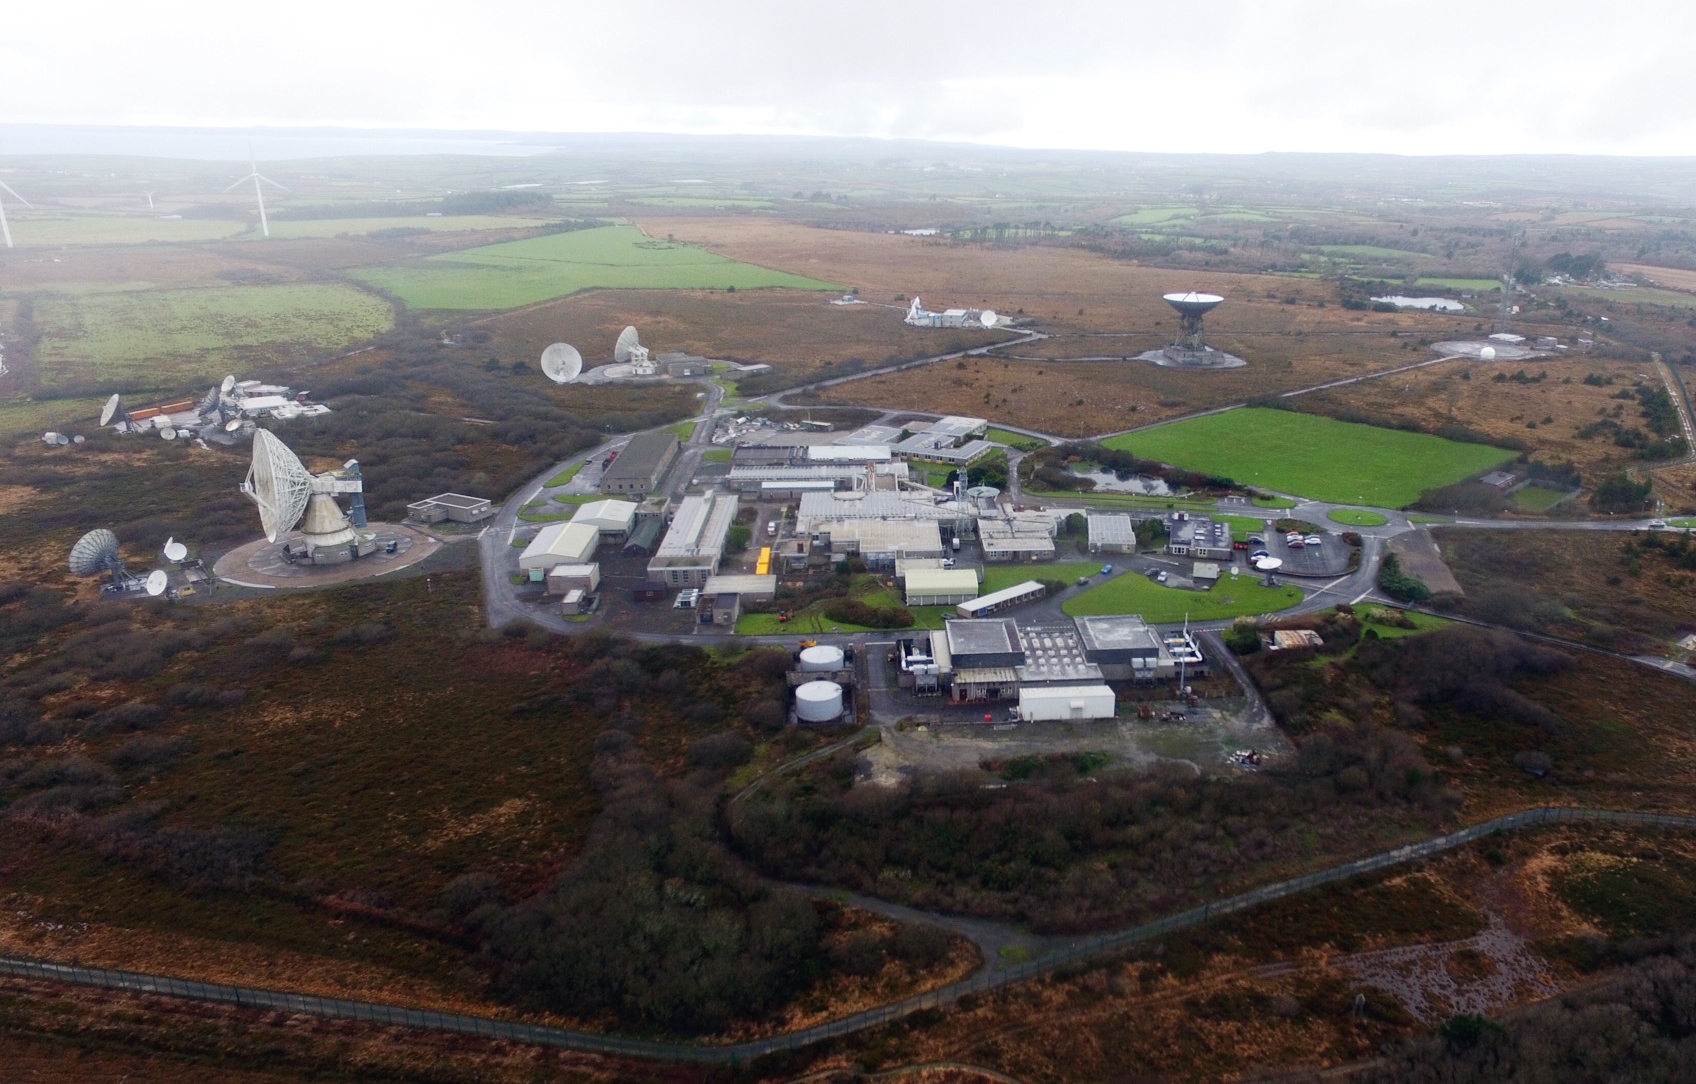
(175, 551)
(156, 582)
(287, 493)
(562, 363)
(258, 192)
(97, 552)
(4, 227)
(624, 351)
(988, 318)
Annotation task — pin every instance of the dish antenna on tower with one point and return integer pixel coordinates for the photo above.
(4, 227)
(562, 363)
(174, 550)
(258, 192)
(156, 582)
(282, 487)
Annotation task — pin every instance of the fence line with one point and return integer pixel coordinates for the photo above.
(986, 979)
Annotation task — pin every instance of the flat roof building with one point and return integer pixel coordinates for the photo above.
(611, 517)
(1198, 536)
(563, 579)
(559, 544)
(640, 466)
(941, 586)
(976, 644)
(1044, 704)
(1016, 539)
(746, 586)
(879, 542)
(1124, 647)
(1007, 597)
(848, 453)
(692, 548)
(871, 434)
(863, 504)
(1055, 655)
(456, 507)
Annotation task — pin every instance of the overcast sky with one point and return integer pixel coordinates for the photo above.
(1474, 77)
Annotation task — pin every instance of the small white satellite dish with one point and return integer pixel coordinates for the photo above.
(988, 318)
(562, 363)
(228, 384)
(174, 550)
(110, 410)
(168, 433)
(157, 581)
(78, 439)
(63, 440)
(232, 425)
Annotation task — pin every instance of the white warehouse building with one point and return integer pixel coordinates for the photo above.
(559, 544)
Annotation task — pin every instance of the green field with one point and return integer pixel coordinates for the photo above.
(536, 269)
(565, 475)
(1232, 596)
(1274, 502)
(26, 417)
(1684, 524)
(29, 230)
(1242, 526)
(331, 227)
(996, 577)
(1314, 456)
(1537, 498)
(717, 455)
(1480, 286)
(1421, 623)
(1016, 441)
(1153, 216)
(1124, 500)
(162, 337)
(1357, 517)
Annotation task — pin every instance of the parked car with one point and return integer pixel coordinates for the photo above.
(1258, 554)
(1315, 540)
(1657, 524)
(1107, 570)
(771, 529)
(1295, 543)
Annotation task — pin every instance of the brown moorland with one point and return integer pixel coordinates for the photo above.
(798, 333)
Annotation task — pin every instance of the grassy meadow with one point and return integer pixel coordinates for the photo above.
(156, 338)
(1314, 457)
(536, 269)
(1232, 596)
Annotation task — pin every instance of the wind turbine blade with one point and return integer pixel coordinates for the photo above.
(4, 228)
(15, 195)
(239, 183)
(272, 183)
(259, 194)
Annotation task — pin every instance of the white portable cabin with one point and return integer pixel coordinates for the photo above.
(1048, 704)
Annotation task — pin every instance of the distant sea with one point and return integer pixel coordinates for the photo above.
(271, 144)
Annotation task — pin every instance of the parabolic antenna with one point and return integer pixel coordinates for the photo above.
(78, 439)
(110, 410)
(168, 433)
(626, 345)
(157, 581)
(174, 550)
(228, 384)
(988, 318)
(1269, 564)
(94, 552)
(232, 425)
(561, 363)
(278, 482)
(1193, 302)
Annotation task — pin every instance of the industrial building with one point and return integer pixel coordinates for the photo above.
(1190, 535)
(1017, 538)
(975, 643)
(692, 548)
(1007, 597)
(563, 579)
(878, 542)
(878, 504)
(941, 586)
(640, 466)
(558, 544)
(456, 507)
(1076, 703)
(1124, 647)
(1055, 655)
(951, 441)
(1112, 533)
(644, 537)
(746, 586)
(612, 518)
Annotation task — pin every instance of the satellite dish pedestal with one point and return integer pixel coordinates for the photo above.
(287, 493)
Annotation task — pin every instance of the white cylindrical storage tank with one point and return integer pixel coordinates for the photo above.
(818, 702)
(821, 659)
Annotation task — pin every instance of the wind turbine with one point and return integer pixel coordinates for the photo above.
(149, 196)
(258, 193)
(4, 228)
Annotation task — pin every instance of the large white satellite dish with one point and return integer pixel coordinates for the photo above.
(562, 363)
(94, 552)
(278, 482)
(1269, 564)
(174, 550)
(988, 318)
(157, 581)
(626, 345)
(110, 410)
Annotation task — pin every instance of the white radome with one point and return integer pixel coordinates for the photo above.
(1487, 354)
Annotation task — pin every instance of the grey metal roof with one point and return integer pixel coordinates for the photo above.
(982, 636)
(641, 457)
(1121, 633)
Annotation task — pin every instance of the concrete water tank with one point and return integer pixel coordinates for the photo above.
(821, 659)
(818, 702)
